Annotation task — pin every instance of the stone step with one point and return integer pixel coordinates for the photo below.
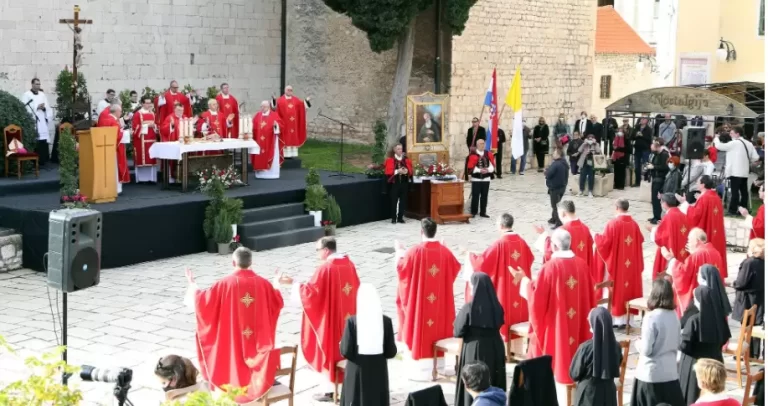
(276, 225)
(284, 239)
(272, 212)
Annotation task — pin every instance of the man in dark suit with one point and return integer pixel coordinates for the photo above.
(610, 125)
(583, 125)
(474, 133)
(502, 138)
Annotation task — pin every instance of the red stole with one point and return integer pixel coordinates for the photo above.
(758, 224)
(707, 214)
(141, 143)
(685, 274)
(672, 233)
(425, 305)
(170, 105)
(229, 106)
(108, 120)
(293, 114)
(327, 301)
(236, 325)
(508, 251)
(559, 302)
(621, 248)
(264, 135)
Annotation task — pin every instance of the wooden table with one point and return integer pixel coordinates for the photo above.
(442, 201)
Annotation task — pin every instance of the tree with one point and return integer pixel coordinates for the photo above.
(390, 22)
(65, 108)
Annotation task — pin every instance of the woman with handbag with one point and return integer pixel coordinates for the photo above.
(586, 161)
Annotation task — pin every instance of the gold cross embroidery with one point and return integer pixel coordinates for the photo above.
(714, 231)
(571, 341)
(247, 333)
(290, 105)
(263, 138)
(581, 246)
(293, 118)
(571, 313)
(627, 263)
(263, 123)
(247, 299)
(516, 304)
(682, 252)
(626, 284)
(683, 230)
(571, 282)
(291, 129)
(346, 289)
(431, 298)
(715, 211)
(430, 322)
(434, 270)
(628, 240)
(515, 255)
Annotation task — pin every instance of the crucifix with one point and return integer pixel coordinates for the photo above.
(78, 46)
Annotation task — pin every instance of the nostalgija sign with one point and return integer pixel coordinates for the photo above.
(681, 100)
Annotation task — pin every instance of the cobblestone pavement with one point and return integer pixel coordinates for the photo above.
(136, 315)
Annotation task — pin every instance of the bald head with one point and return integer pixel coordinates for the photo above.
(116, 109)
(289, 90)
(561, 240)
(696, 238)
(264, 106)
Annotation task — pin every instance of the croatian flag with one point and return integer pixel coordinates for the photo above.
(493, 118)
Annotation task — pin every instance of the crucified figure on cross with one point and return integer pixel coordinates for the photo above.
(78, 45)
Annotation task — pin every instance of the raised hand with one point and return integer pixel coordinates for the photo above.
(190, 276)
(680, 198)
(539, 229)
(399, 246)
(666, 254)
(517, 275)
(743, 211)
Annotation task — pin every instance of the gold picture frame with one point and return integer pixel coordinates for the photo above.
(426, 123)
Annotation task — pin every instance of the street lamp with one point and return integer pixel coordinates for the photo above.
(726, 52)
(640, 65)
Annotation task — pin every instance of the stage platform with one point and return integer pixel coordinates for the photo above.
(147, 223)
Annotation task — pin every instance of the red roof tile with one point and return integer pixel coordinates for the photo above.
(615, 36)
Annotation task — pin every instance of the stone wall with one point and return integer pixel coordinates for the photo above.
(625, 79)
(138, 43)
(553, 41)
(10, 250)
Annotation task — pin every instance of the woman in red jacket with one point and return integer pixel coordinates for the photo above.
(399, 170)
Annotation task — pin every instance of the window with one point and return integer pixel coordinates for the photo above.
(602, 3)
(605, 87)
(761, 20)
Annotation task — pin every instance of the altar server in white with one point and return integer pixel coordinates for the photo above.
(36, 103)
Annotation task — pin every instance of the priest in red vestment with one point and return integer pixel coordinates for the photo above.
(214, 125)
(425, 306)
(559, 301)
(165, 102)
(169, 132)
(267, 127)
(510, 250)
(620, 247)
(756, 224)
(236, 326)
(145, 132)
(671, 233)
(293, 113)
(112, 119)
(685, 273)
(581, 237)
(707, 214)
(229, 107)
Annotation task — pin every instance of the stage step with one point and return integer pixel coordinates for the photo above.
(284, 239)
(291, 163)
(273, 212)
(276, 225)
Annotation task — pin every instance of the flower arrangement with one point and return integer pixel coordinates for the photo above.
(235, 244)
(75, 201)
(440, 169)
(228, 177)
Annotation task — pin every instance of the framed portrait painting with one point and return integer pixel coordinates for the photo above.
(426, 118)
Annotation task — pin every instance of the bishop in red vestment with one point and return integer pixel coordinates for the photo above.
(671, 233)
(620, 246)
(214, 125)
(685, 273)
(236, 325)
(756, 224)
(707, 214)
(581, 237)
(164, 104)
(508, 251)
(327, 301)
(559, 301)
(293, 113)
(425, 306)
(267, 127)
(111, 119)
(169, 130)
(144, 130)
(228, 105)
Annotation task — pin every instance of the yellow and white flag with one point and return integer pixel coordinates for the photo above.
(515, 101)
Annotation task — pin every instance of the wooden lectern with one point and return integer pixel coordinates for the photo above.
(443, 201)
(98, 164)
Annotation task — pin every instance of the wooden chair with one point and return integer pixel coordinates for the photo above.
(281, 392)
(740, 348)
(639, 304)
(450, 345)
(517, 331)
(624, 344)
(10, 133)
(752, 380)
(605, 300)
(340, 367)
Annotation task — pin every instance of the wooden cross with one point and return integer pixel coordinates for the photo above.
(77, 46)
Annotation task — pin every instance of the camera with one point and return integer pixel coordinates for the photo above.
(121, 377)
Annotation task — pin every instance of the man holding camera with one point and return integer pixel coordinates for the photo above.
(657, 169)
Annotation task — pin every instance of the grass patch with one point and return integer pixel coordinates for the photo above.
(324, 156)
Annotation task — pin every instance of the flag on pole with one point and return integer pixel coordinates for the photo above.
(515, 101)
(493, 120)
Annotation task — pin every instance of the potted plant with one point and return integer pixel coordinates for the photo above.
(234, 209)
(315, 201)
(213, 183)
(332, 216)
(378, 151)
(222, 232)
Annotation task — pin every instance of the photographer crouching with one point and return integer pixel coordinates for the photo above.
(657, 169)
(179, 378)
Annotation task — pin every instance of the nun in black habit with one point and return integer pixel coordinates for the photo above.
(368, 342)
(478, 324)
(596, 363)
(704, 334)
(710, 277)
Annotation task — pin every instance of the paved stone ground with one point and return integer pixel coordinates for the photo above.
(136, 315)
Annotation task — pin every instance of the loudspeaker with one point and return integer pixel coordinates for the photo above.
(74, 249)
(693, 142)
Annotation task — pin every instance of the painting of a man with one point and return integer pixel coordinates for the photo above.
(429, 119)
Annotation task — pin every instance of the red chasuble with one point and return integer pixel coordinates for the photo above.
(293, 114)
(685, 274)
(170, 101)
(559, 302)
(509, 250)
(229, 106)
(758, 224)
(217, 123)
(141, 143)
(327, 300)
(166, 134)
(236, 325)
(620, 246)
(264, 135)
(425, 306)
(108, 120)
(672, 233)
(707, 214)
(581, 244)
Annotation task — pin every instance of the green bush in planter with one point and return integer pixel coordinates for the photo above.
(222, 229)
(12, 111)
(333, 211)
(312, 178)
(234, 209)
(315, 198)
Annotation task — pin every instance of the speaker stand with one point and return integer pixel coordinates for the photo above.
(65, 376)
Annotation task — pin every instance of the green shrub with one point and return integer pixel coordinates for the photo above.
(315, 198)
(12, 111)
(222, 228)
(125, 100)
(234, 209)
(333, 211)
(67, 163)
(64, 82)
(312, 178)
(379, 148)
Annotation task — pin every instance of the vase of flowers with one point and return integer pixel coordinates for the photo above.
(208, 177)
(438, 171)
(330, 228)
(75, 201)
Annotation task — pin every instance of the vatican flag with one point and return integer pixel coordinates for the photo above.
(515, 101)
